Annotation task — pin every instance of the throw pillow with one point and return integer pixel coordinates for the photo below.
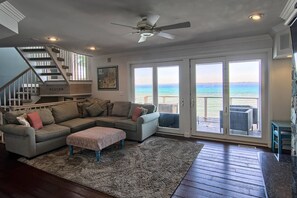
(35, 120)
(22, 120)
(82, 109)
(138, 111)
(46, 116)
(144, 111)
(94, 110)
(136, 114)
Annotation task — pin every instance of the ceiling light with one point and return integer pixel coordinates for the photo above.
(92, 48)
(147, 34)
(289, 56)
(53, 39)
(256, 17)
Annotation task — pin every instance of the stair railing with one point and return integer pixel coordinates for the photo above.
(18, 89)
(78, 64)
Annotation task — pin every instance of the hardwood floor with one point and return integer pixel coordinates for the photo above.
(220, 170)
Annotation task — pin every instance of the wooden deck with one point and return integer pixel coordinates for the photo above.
(220, 170)
(212, 125)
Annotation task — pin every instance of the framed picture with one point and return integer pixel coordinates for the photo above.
(108, 78)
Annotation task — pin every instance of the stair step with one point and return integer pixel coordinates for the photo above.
(40, 59)
(60, 59)
(49, 74)
(55, 50)
(68, 74)
(45, 67)
(34, 50)
(65, 67)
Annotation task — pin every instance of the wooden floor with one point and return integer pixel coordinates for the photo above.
(220, 170)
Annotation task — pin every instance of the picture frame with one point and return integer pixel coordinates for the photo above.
(108, 78)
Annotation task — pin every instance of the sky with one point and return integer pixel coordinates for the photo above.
(205, 73)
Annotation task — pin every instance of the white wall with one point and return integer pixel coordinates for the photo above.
(262, 43)
(240, 46)
(280, 89)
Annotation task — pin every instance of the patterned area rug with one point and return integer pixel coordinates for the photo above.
(153, 168)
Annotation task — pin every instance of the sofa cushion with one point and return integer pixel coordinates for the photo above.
(11, 117)
(126, 124)
(121, 109)
(51, 131)
(94, 110)
(108, 121)
(65, 112)
(46, 116)
(78, 124)
(35, 120)
(150, 107)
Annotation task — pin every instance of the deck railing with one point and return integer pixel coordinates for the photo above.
(204, 103)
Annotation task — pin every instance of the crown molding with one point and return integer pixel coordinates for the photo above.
(11, 11)
(288, 9)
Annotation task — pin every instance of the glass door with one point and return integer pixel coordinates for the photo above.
(226, 98)
(207, 97)
(159, 84)
(245, 98)
(168, 96)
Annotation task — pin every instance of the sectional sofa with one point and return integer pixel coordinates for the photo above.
(61, 120)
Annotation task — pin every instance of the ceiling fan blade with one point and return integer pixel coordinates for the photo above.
(174, 26)
(142, 39)
(166, 35)
(129, 26)
(152, 19)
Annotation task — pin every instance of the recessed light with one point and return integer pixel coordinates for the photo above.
(52, 38)
(92, 48)
(289, 56)
(256, 17)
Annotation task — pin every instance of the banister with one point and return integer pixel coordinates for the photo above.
(14, 79)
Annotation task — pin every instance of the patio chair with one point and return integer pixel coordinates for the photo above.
(240, 119)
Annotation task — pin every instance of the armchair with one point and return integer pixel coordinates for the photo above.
(240, 119)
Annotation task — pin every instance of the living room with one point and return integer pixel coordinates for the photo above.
(214, 75)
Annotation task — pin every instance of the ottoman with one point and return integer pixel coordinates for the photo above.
(96, 139)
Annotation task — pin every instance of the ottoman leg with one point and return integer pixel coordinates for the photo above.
(122, 142)
(97, 155)
(70, 150)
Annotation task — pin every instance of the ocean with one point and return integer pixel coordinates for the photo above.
(242, 93)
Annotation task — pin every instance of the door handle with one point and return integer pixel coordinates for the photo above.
(182, 103)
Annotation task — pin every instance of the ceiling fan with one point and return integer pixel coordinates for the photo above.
(147, 28)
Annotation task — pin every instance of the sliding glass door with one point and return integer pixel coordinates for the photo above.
(159, 84)
(226, 98)
(209, 97)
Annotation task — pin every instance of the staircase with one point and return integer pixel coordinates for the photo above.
(47, 63)
(49, 78)
(23, 89)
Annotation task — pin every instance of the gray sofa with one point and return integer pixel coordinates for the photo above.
(61, 120)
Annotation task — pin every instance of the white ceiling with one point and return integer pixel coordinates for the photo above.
(79, 23)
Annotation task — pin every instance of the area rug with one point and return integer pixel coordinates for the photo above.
(153, 168)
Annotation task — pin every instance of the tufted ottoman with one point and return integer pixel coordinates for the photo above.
(95, 138)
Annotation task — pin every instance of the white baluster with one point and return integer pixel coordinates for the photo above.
(19, 89)
(14, 101)
(9, 95)
(4, 98)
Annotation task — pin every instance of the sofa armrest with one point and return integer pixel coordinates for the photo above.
(19, 130)
(148, 117)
